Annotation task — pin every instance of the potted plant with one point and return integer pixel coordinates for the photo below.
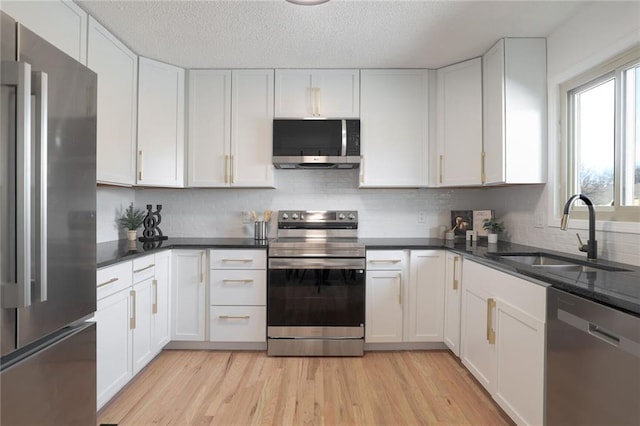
(131, 220)
(493, 227)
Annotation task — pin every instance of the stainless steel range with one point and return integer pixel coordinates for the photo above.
(316, 285)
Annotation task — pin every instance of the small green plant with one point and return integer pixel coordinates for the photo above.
(132, 218)
(493, 226)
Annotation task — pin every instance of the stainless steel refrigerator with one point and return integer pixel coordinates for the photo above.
(47, 233)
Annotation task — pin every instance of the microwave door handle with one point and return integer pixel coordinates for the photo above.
(40, 88)
(18, 74)
(344, 138)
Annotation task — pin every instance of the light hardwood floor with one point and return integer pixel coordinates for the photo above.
(249, 388)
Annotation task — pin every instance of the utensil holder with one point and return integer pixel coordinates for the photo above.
(260, 230)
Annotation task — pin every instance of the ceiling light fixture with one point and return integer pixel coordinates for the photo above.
(307, 2)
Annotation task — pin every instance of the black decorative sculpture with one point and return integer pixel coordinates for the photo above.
(151, 224)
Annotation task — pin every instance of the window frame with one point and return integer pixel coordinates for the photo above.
(567, 162)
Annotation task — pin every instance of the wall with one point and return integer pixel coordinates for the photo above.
(111, 203)
(600, 31)
(219, 212)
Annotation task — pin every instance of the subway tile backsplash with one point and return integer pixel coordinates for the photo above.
(383, 212)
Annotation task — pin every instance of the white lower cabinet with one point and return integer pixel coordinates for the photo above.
(160, 307)
(188, 307)
(141, 324)
(452, 300)
(238, 296)
(503, 339)
(114, 343)
(404, 296)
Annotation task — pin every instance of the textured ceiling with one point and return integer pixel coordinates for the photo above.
(338, 34)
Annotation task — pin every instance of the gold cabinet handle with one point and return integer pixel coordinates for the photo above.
(362, 169)
(400, 288)
(234, 316)
(455, 267)
(132, 320)
(385, 261)
(483, 174)
(491, 334)
(154, 307)
(233, 170)
(145, 268)
(140, 155)
(202, 266)
(237, 281)
(236, 260)
(440, 168)
(226, 169)
(112, 280)
(316, 98)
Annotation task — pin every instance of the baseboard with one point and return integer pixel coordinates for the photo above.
(219, 346)
(404, 346)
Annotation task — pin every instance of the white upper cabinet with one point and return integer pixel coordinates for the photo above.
(117, 69)
(61, 23)
(209, 129)
(251, 128)
(394, 128)
(160, 156)
(317, 93)
(515, 113)
(459, 124)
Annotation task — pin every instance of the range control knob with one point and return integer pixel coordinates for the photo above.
(285, 216)
(301, 216)
(294, 216)
(352, 216)
(341, 216)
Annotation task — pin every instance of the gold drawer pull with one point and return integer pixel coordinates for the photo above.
(455, 280)
(237, 260)
(112, 280)
(491, 333)
(145, 268)
(237, 281)
(234, 316)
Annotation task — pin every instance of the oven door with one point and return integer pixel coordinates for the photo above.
(321, 293)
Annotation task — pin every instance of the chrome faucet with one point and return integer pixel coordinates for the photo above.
(592, 245)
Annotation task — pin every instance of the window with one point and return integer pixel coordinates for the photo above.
(601, 139)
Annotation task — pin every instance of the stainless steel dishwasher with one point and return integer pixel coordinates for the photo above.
(593, 363)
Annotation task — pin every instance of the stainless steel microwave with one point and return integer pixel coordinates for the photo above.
(315, 144)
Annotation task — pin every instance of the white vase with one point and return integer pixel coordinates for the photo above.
(131, 235)
(492, 238)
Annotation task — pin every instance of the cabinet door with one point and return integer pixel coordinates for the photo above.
(160, 124)
(209, 128)
(293, 95)
(426, 296)
(61, 23)
(142, 295)
(394, 128)
(478, 325)
(188, 301)
(160, 309)
(337, 93)
(384, 306)
(452, 300)
(117, 69)
(520, 352)
(515, 111)
(252, 128)
(113, 345)
(459, 126)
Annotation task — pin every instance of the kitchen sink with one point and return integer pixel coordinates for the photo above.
(550, 263)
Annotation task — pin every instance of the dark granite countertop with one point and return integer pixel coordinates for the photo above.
(620, 290)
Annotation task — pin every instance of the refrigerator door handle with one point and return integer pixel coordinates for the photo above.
(40, 89)
(18, 74)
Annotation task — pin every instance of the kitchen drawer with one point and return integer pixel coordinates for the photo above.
(112, 279)
(238, 287)
(143, 268)
(238, 259)
(386, 260)
(238, 324)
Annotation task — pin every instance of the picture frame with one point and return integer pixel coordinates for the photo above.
(461, 222)
(478, 218)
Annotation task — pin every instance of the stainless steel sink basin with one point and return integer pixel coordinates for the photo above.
(550, 263)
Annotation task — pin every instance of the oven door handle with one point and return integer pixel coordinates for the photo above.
(316, 263)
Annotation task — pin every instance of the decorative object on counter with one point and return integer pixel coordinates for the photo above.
(493, 227)
(449, 235)
(132, 219)
(461, 222)
(260, 226)
(151, 222)
(472, 236)
(479, 217)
